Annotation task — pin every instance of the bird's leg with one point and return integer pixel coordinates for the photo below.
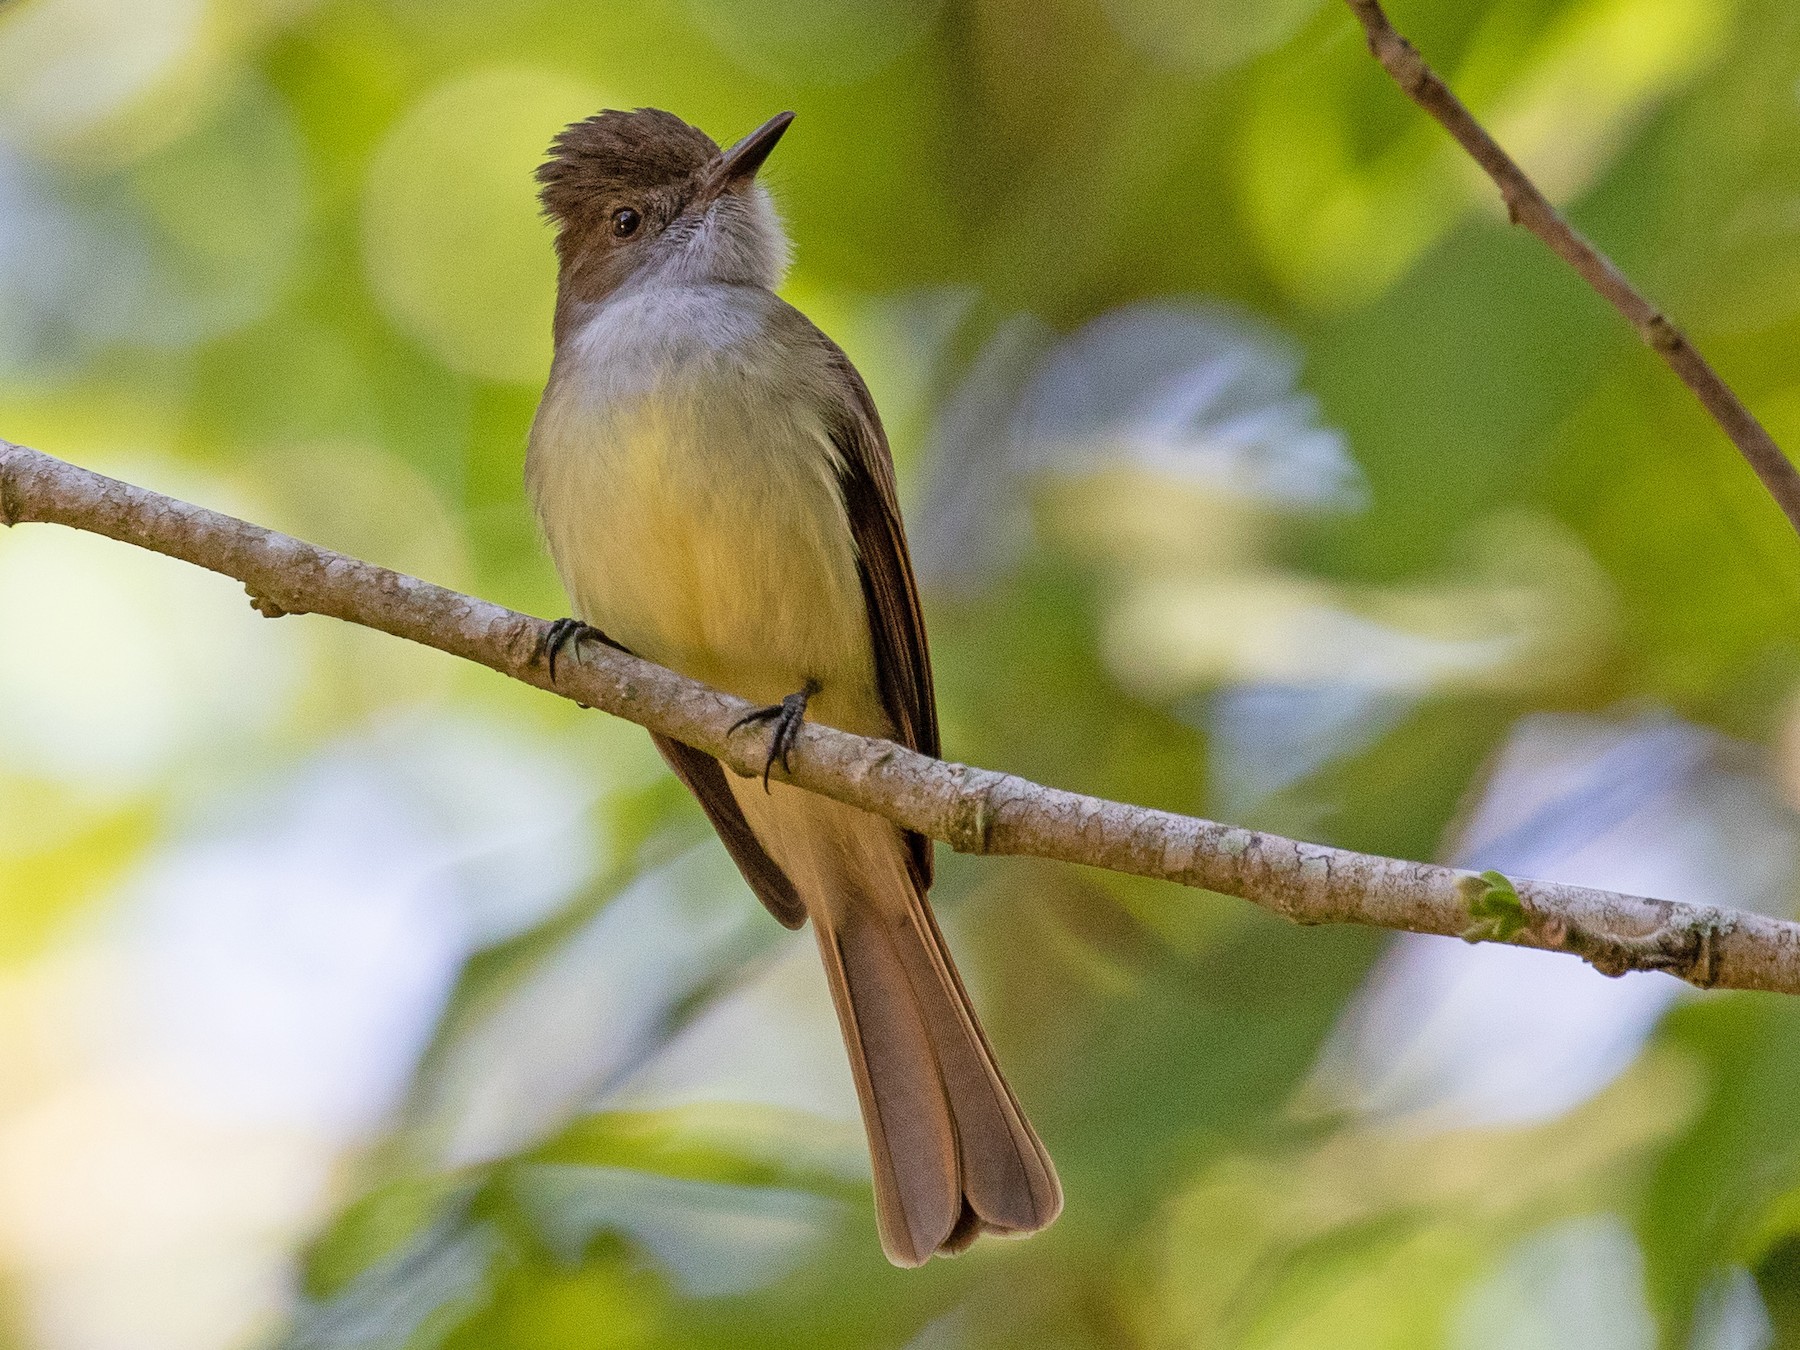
(787, 716)
(565, 632)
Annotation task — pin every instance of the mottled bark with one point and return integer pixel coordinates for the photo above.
(973, 810)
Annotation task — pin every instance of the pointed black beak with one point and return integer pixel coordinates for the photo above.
(740, 163)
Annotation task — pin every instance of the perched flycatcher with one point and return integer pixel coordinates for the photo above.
(716, 490)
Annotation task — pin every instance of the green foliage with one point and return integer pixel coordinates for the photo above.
(296, 271)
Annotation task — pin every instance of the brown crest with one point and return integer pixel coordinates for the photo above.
(599, 163)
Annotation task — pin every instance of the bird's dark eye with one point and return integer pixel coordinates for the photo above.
(625, 222)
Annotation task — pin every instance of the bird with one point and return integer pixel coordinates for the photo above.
(717, 494)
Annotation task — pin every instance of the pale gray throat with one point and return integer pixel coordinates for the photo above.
(738, 240)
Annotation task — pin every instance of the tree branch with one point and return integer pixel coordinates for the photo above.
(973, 810)
(1527, 206)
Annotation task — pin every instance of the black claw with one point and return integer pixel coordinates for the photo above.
(564, 632)
(788, 716)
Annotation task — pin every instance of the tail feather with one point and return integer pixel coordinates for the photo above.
(912, 1139)
(1007, 1175)
(953, 1155)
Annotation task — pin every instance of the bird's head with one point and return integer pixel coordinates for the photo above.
(643, 196)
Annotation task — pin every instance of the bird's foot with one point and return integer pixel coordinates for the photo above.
(787, 715)
(569, 633)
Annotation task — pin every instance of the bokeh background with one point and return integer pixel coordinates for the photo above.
(355, 998)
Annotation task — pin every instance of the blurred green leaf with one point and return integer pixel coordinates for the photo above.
(714, 1238)
(1721, 1195)
(411, 1300)
(290, 247)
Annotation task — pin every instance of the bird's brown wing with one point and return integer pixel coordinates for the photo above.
(705, 778)
(896, 623)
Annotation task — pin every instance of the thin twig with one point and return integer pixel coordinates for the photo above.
(1527, 206)
(973, 810)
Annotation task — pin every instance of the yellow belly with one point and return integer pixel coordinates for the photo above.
(706, 531)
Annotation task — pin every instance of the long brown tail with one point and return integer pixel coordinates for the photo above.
(952, 1152)
(953, 1155)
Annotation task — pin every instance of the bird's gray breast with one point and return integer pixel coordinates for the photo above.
(688, 486)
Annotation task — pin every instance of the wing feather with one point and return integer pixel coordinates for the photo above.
(896, 621)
